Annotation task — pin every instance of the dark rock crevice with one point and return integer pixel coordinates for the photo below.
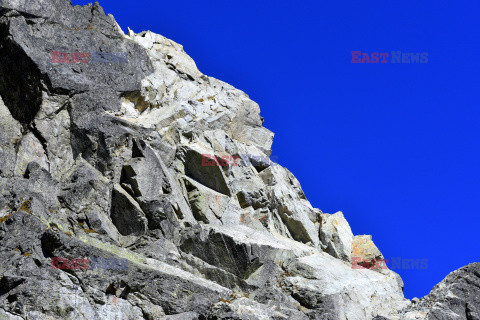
(33, 129)
(20, 78)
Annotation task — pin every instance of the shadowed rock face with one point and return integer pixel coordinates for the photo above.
(108, 209)
(456, 297)
(24, 97)
(32, 30)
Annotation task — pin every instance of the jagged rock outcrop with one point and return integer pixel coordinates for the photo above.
(132, 186)
(456, 297)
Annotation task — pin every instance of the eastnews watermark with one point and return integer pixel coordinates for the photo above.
(389, 57)
(59, 57)
(89, 264)
(392, 264)
(211, 160)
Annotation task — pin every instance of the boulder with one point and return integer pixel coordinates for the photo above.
(336, 236)
(366, 254)
(127, 216)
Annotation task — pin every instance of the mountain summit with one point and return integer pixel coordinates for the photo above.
(133, 186)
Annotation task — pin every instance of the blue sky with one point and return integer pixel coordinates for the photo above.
(393, 146)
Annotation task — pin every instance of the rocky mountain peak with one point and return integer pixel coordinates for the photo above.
(133, 186)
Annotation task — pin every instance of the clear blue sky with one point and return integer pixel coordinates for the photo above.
(393, 146)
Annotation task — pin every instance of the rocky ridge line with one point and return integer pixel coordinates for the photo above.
(107, 161)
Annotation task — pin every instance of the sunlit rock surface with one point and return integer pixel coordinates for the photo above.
(133, 186)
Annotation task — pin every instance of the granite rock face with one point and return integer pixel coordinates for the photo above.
(457, 297)
(133, 186)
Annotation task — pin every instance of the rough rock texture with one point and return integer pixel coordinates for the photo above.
(457, 297)
(336, 236)
(109, 208)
